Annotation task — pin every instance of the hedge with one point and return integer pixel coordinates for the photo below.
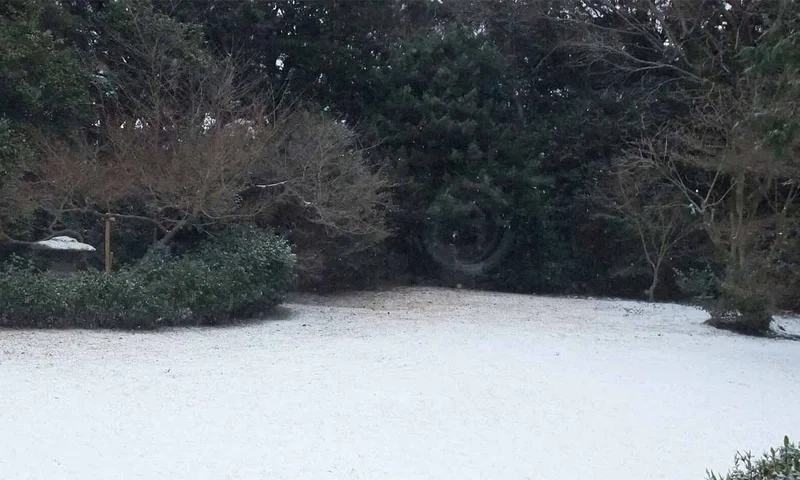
(238, 274)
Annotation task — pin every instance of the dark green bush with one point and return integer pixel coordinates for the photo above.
(697, 282)
(782, 463)
(741, 310)
(237, 274)
(30, 298)
(243, 272)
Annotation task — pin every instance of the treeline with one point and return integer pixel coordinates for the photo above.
(642, 148)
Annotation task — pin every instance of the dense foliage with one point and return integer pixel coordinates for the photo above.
(236, 274)
(622, 147)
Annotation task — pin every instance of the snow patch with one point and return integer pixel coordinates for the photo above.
(64, 244)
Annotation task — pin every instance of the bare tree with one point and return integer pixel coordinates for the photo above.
(229, 162)
(181, 170)
(649, 205)
(747, 191)
(334, 201)
(716, 156)
(688, 40)
(745, 196)
(185, 141)
(326, 173)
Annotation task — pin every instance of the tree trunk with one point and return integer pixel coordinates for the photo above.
(170, 235)
(739, 235)
(651, 292)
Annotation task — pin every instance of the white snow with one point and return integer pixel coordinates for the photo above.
(64, 243)
(787, 324)
(408, 384)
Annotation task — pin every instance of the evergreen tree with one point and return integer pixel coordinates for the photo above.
(447, 123)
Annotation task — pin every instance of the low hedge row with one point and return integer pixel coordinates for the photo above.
(237, 274)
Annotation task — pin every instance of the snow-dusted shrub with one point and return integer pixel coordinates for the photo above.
(30, 298)
(782, 463)
(237, 274)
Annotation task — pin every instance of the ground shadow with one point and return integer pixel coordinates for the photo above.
(737, 327)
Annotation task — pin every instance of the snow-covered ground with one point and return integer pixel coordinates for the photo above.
(408, 384)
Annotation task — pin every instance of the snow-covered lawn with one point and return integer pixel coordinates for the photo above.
(408, 384)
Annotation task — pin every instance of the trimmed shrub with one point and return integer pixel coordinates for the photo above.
(237, 274)
(782, 463)
(30, 298)
(242, 272)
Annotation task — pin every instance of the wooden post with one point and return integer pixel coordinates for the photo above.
(107, 245)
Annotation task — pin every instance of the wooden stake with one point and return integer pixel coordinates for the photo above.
(107, 244)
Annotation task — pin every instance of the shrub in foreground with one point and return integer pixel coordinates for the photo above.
(782, 463)
(237, 274)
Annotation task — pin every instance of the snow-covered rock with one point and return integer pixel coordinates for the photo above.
(64, 243)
